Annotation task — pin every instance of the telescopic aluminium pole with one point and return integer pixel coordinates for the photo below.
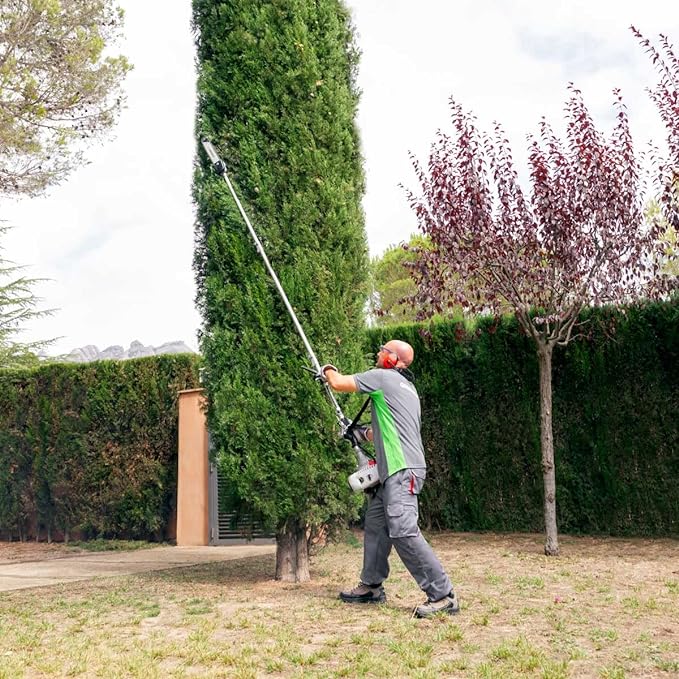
(220, 169)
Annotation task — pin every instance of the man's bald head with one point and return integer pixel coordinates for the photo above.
(403, 350)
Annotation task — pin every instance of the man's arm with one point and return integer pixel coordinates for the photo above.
(339, 382)
(347, 383)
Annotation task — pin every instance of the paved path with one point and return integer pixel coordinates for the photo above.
(105, 564)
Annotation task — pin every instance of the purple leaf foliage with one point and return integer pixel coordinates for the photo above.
(578, 237)
(665, 96)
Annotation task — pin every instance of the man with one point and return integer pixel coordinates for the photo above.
(392, 514)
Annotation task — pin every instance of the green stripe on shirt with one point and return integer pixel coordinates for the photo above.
(393, 451)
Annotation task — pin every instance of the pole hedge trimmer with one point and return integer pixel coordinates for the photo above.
(366, 475)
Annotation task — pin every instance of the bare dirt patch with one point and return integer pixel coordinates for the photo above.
(11, 552)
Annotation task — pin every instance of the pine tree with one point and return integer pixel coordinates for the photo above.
(60, 87)
(391, 283)
(277, 96)
(18, 306)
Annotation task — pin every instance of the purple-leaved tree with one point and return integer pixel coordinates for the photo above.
(665, 96)
(578, 239)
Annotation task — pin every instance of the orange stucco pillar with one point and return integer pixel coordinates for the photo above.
(193, 470)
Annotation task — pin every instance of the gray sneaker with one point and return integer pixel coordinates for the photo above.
(448, 605)
(364, 594)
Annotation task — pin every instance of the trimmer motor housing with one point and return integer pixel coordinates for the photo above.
(365, 477)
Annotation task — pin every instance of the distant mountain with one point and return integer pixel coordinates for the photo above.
(116, 352)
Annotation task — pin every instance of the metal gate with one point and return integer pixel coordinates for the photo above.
(228, 528)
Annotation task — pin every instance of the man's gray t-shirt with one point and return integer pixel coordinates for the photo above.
(396, 420)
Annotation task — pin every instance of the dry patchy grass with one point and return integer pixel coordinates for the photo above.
(606, 608)
(14, 552)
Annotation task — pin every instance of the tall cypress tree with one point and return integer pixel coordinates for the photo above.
(277, 96)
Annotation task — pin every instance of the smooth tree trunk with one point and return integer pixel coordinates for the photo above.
(547, 447)
(292, 553)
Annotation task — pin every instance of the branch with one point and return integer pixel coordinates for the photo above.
(571, 318)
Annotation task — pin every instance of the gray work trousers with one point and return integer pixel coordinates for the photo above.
(391, 518)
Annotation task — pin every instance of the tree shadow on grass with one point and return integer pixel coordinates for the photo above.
(250, 570)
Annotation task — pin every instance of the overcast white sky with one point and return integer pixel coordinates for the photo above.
(116, 239)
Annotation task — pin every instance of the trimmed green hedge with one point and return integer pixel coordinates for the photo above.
(91, 447)
(616, 424)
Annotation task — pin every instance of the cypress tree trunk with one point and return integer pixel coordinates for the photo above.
(547, 447)
(292, 553)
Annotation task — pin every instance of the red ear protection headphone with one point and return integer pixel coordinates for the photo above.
(391, 358)
(390, 361)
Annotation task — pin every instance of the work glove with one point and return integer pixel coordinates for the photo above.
(357, 435)
(320, 377)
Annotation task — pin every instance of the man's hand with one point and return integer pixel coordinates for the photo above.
(358, 435)
(320, 377)
(335, 380)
